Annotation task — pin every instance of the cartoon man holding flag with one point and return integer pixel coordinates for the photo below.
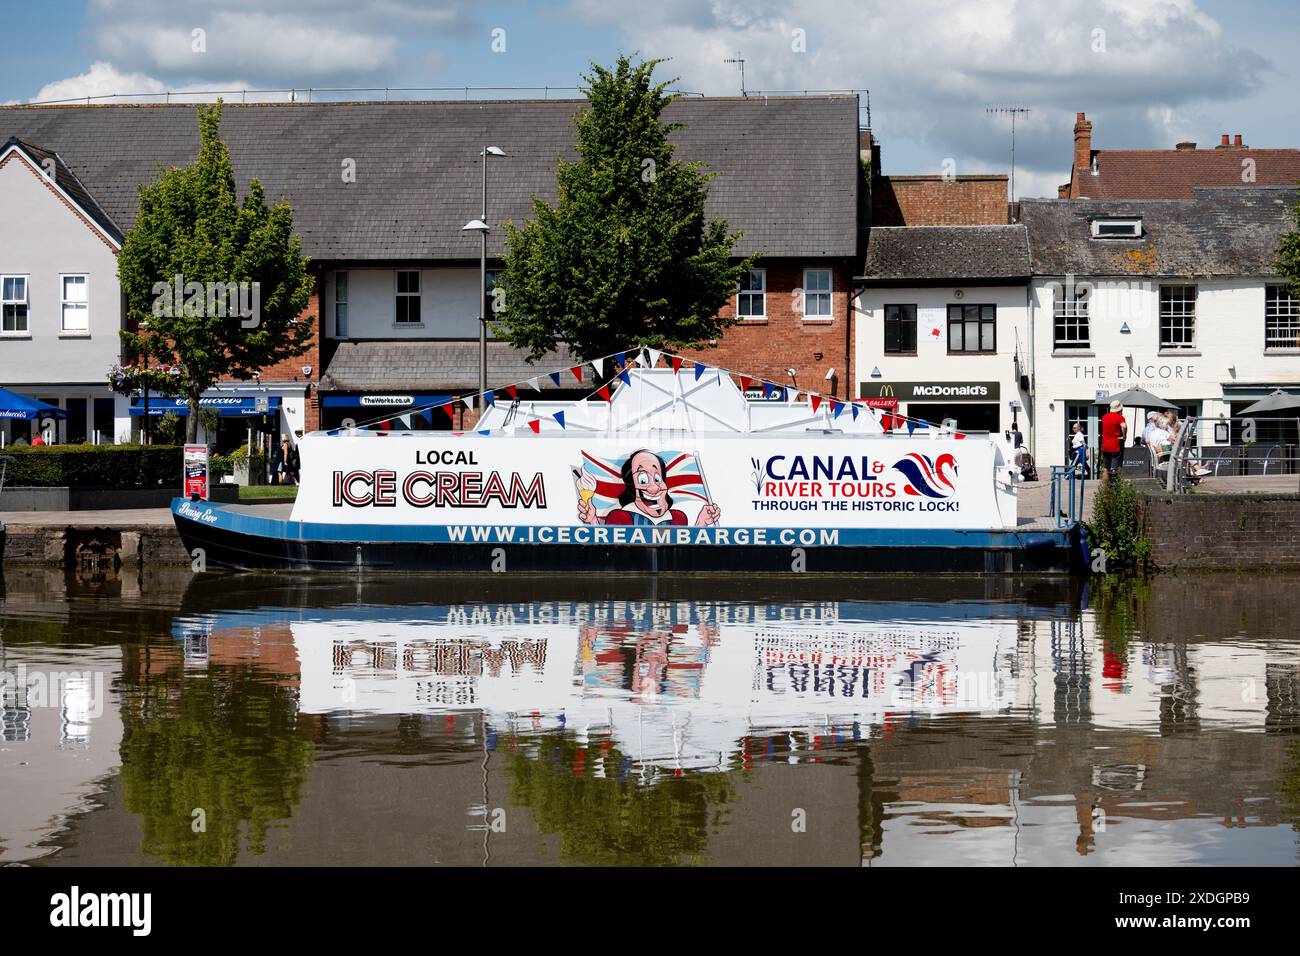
(641, 491)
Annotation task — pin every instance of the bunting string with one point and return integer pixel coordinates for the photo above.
(623, 360)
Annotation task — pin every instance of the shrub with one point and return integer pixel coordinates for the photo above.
(94, 466)
(1116, 525)
(238, 459)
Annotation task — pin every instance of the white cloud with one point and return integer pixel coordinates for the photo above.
(266, 44)
(301, 41)
(104, 81)
(1139, 68)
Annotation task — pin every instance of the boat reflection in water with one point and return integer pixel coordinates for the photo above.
(680, 686)
(992, 721)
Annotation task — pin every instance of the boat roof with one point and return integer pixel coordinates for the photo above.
(661, 399)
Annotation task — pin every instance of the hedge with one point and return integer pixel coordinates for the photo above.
(93, 466)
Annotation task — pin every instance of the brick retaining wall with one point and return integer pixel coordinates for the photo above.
(53, 546)
(1223, 531)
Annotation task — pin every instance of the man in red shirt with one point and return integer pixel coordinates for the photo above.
(1113, 431)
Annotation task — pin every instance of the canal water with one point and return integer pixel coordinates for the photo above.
(265, 720)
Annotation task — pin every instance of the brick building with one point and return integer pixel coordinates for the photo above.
(380, 193)
(1172, 173)
(972, 200)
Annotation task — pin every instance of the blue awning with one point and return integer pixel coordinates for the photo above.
(227, 406)
(13, 405)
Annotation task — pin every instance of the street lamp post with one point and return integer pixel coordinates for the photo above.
(481, 227)
(148, 434)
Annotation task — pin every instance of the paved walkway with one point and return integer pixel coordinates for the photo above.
(1034, 497)
(1237, 485)
(119, 517)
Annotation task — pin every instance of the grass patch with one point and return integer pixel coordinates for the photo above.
(268, 492)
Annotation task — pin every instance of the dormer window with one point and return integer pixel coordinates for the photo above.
(1117, 229)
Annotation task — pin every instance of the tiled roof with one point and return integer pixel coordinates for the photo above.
(69, 183)
(1219, 232)
(787, 167)
(447, 365)
(1173, 173)
(902, 254)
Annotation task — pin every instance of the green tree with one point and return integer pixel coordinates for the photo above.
(626, 256)
(221, 282)
(1288, 258)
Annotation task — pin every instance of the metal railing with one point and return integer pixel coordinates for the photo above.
(1066, 500)
(1243, 447)
(313, 94)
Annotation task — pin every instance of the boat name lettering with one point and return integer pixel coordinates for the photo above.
(441, 489)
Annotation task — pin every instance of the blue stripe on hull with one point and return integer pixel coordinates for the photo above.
(208, 515)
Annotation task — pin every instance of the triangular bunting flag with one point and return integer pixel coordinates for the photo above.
(768, 389)
(485, 431)
(854, 409)
(627, 379)
(599, 366)
(959, 436)
(450, 409)
(577, 373)
(677, 364)
(490, 398)
(911, 427)
(699, 370)
(533, 384)
(536, 426)
(745, 382)
(655, 355)
(836, 408)
(603, 392)
(511, 391)
(555, 377)
(816, 402)
(559, 419)
(622, 360)
(469, 401)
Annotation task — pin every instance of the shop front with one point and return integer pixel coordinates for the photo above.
(94, 416)
(975, 406)
(251, 416)
(1075, 392)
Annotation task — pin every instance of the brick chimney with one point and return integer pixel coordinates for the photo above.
(1185, 145)
(1082, 145)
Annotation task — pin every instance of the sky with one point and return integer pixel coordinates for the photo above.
(1148, 73)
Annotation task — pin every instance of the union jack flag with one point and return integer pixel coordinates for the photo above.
(681, 473)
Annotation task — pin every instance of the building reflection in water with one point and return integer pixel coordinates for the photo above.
(584, 695)
(360, 723)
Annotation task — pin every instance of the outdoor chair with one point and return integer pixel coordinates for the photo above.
(1159, 455)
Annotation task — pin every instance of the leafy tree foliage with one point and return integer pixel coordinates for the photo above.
(626, 256)
(192, 246)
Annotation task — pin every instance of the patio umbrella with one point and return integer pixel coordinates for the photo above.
(1136, 398)
(13, 405)
(1277, 401)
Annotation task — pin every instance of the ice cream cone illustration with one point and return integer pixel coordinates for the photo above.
(586, 491)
